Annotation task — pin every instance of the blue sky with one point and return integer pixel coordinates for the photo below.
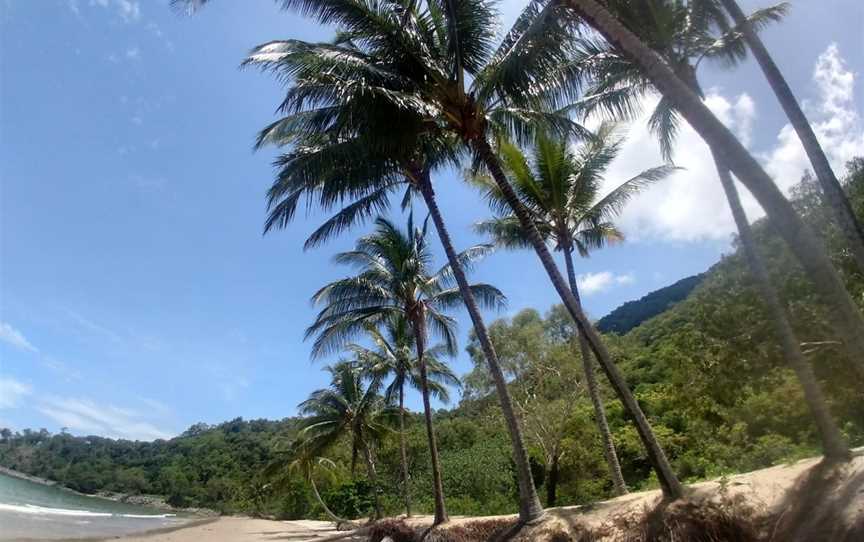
(137, 294)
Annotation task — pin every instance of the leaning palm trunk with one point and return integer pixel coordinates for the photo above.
(530, 508)
(403, 452)
(672, 488)
(831, 188)
(419, 323)
(594, 390)
(373, 479)
(832, 443)
(808, 249)
(333, 517)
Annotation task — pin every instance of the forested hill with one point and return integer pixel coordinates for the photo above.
(204, 466)
(707, 372)
(633, 313)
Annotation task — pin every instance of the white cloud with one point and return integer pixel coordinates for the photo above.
(133, 53)
(11, 392)
(690, 205)
(628, 278)
(128, 10)
(593, 283)
(834, 118)
(85, 416)
(12, 336)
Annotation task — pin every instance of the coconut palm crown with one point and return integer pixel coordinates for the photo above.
(393, 355)
(562, 189)
(394, 280)
(685, 33)
(350, 406)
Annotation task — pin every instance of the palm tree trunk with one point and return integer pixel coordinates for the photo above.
(594, 390)
(800, 238)
(831, 188)
(404, 453)
(530, 509)
(333, 517)
(418, 318)
(373, 479)
(552, 482)
(672, 488)
(832, 443)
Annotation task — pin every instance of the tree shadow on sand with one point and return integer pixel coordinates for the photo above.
(825, 503)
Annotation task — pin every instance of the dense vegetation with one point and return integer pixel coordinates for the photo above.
(632, 313)
(707, 373)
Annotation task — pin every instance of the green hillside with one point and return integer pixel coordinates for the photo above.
(707, 371)
(632, 313)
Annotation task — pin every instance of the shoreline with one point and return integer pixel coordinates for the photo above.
(156, 502)
(12, 473)
(149, 533)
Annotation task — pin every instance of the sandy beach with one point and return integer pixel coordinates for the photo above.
(764, 490)
(240, 529)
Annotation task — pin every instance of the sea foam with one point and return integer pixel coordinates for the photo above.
(44, 511)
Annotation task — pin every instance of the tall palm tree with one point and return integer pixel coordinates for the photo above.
(347, 407)
(408, 81)
(394, 281)
(803, 242)
(396, 77)
(561, 189)
(394, 357)
(832, 190)
(684, 35)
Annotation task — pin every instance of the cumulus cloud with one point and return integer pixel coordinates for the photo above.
(85, 416)
(11, 392)
(834, 118)
(593, 283)
(690, 205)
(12, 336)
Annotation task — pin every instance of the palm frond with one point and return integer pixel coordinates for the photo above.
(351, 215)
(664, 123)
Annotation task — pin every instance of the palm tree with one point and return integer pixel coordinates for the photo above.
(348, 407)
(407, 82)
(806, 246)
(393, 356)
(394, 281)
(832, 190)
(682, 34)
(561, 189)
(396, 81)
(301, 458)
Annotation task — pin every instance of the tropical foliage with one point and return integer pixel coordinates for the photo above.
(715, 388)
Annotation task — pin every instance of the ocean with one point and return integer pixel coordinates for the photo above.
(34, 511)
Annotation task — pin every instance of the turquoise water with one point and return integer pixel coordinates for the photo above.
(34, 511)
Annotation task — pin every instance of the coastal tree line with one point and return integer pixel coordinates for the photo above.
(408, 90)
(714, 386)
